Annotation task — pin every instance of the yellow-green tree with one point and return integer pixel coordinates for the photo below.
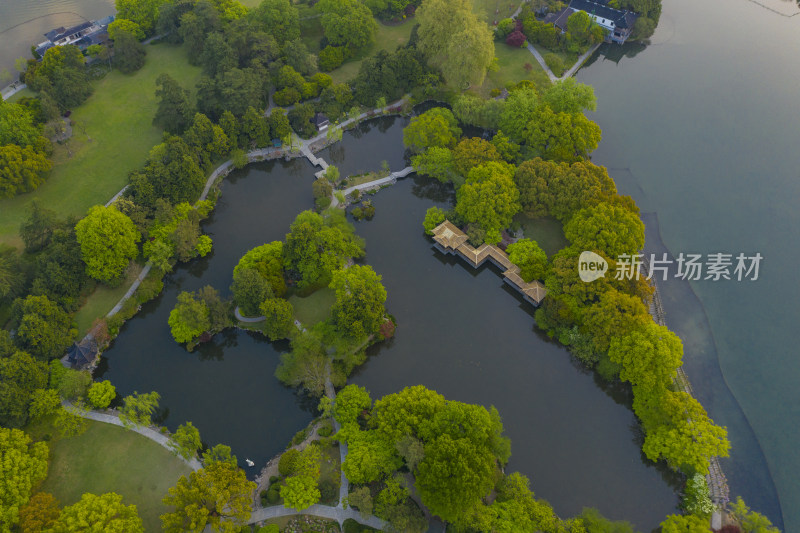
(301, 490)
(675, 523)
(108, 242)
(101, 394)
(98, 513)
(358, 311)
(561, 136)
(455, 40)
(606, 228)
(218, 496)
(23, 464)
(489, 198)
(22, 169)
(435, 128)
(650, 356)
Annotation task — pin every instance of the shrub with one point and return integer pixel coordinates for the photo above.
(696, 498)
(328, 490)
(262, 494)
(330, 58)
(273, 479)
(300, 436)
(273, 496)
(288, 462)
(286, 97)
(325, 431)
(504, 28)
(322, 203)
(516, 39)
(554, 63)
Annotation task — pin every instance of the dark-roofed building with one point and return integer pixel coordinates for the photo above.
(618, 22)
(320, 121)
(82, 355)
(61, 36)
(83, 35)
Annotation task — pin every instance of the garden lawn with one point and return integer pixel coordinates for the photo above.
(108, 458)
(313, 308)
(494, 10)
(512, 63)
(103, 299)
(118, 119)
(568, 59)
(387, 38)
(547, 232)
(330, 470)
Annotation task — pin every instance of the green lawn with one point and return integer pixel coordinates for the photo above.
(515, 65)
(109, 458)
(102, 299)
(313, 308)
(387, 38)
(567, 58)
(118, 119)
(330, 470)
(492, 10)
(547, 232)
(22, 94)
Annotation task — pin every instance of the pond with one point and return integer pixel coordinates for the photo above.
(461, 332)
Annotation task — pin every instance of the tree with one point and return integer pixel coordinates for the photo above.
(186, 441)
(696, 498)
(751, 521)
(507, 149)
(172, 172)
(17, 125)
(606, 228)
(594, 522)
(350, 402)
(207, 139)
(569, 96)
(39, 513)
(678, 430)
(472, 152)
(38, 228)
(330, 58)
(519, 107)
(358, 311)
(453, 38)
(529, 257)
(250, 289)
(101, 394)
(12, 275)
(279, 318)
(22, 169)
(24, 465)
(438, 163)
(437, 127)
(361, 499)
(144, 13)
(108, 242)
(561, 136)
(189, 318)
(74, 384)
(20, 377)
(129, 53)
(174, 112)
(98, 513)
(120, 25)
(267, 261)
(347, 23)
(684, 524)
(411, 450)
(299, 492)
(433, 217)
(316, 246)
(255, 129)
(649, 355)
(138, 408)
(369, 457)
(475, 111)
(218, 495)
(45, 330)
(489, 198)
(44, 402)
(307, 365)
(279, 18)
(454, 476)
(219, 454)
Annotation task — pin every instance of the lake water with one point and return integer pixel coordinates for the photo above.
(701, 129)
(461, 332)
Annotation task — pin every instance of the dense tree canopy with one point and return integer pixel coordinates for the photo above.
(358, 311)
(44, 330)
(280, 19)
(138, 408)
(20, 377)
(607, 228)
(174, 112)
(347, 23)
(218, 495)
(189, 318)
(517, 112)
(23, 466)
(101, 394)
(143, 12)
(186, 441)
(529, 257)
(278, 318)
(453, 38)
(437, 162)
(316, 246)
(98, 513)
(649, 356)
(489, 198)
(39, 513)
(22, 169)
(267, 260)
(129, 53)
(561, 136)
(108, 242)
(472, 152)
(435, 128)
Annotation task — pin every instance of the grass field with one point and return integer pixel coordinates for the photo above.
(313, 308)
(516, 64)
(109, 458)
(330, 470)
(547, 232)
(113, 137)
(102, 299)
(387, 38)
(492, 10)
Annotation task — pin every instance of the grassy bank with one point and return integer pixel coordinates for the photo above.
(313, 308)
(109, 458)
(113, 136)
(387, 38)
(515, 65)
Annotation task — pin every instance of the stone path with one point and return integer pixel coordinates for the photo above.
(248, 319)
(333, 513)
(150, 433)
(573, 69)
(375, 184)
(131, 290)
(12, 89)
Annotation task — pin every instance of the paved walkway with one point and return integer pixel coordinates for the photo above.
(325, 511)
(375, 184)
(553, 78)
(248, 319)
(12, 89)
(150, 433)
(131, 290)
